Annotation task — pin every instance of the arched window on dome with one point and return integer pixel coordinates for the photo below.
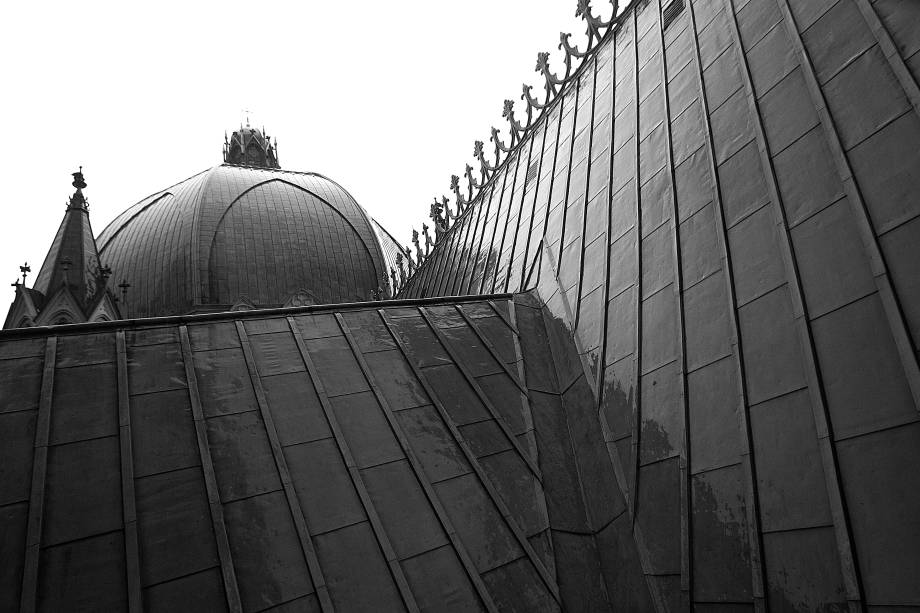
(253, 155)
(63, 316)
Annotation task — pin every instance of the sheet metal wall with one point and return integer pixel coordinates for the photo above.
(365, 460)
(725, 213)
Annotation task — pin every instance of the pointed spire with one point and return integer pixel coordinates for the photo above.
(77, 200)
(71, 275)
(73, 260)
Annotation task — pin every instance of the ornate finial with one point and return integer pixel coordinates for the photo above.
(597, 28)
(402, 268)
(595, 23)
(435, 215)
(517, 130)
(104, 273)
(24, 269)
(485, 169)
(448, 214)
(409, 261)
(527, 97)
(455, 187)
(552, 83)
(418, 250)
(78, 181)
(428, 241)
(500, 146)
(508, 113)
(77, 200)
(471, 183)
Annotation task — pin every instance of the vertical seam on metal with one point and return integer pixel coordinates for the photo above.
(552, 182)
(446, 281)
(584, 212)
(129, 510)
(425, 484)
(607, 264)
(879, 267)
(536, 192)
(458, 263)
(467, 246)
(490, 407)
(569, 437)
(27, 601)
(637, 357)
(479, 244)
(475, 465)
(482, 208)
(210, 478)
(654, 589)
(507, 321)
(567, 307)
(354, 472)
(510, 194)
(491, 348)
(300, 523)
(498, 214)
(519, 353)
(431, 263)
(568, 176)
(456, 239)
(522, 374)
(686, 519)
(517, 218)
(758, 576)
(888, 47)
(436, 277)
(832, 479)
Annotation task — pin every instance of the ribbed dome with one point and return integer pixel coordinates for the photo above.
(234, 234)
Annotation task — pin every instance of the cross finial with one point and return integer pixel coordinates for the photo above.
(124, 285)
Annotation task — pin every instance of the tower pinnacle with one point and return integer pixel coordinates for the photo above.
(250, 147)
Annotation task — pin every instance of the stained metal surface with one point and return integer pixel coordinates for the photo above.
(373, 458)
(724, 218)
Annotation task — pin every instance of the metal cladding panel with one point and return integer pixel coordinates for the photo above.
(371, 458)
(726, 223)
(235, 233)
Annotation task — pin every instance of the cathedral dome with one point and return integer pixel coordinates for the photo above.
(238, 237)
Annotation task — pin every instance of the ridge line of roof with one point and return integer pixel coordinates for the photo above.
(615, 25)
(145, 322)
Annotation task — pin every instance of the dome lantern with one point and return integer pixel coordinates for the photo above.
(250, 147)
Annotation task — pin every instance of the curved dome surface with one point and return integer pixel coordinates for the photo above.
(242, 235)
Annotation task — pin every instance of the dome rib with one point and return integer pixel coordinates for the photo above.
(165, 245)
(315, 195)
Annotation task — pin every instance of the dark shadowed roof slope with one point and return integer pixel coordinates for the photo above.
(379, 457)
(236, 234)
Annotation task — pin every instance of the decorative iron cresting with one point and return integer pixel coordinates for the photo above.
(440, 213)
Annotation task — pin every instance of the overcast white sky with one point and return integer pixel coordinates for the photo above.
(384, 97)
